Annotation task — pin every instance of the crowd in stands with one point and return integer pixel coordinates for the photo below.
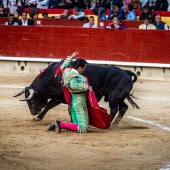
(119, 10)
(163, 5)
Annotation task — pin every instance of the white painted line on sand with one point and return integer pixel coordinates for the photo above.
(15, 87)
(166, 167)
(147, 98)
(149, 122)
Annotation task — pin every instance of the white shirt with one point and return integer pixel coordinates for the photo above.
(32, 1)
(43, 4)
(86, 25)
(81, 14)
(15, 23)
(24, 23)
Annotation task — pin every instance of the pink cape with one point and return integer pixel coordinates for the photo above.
(98, 116)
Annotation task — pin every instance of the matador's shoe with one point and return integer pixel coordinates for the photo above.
(51, 126)
(57, 125)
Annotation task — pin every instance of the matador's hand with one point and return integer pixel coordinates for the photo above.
(74, 54)
(90, 88)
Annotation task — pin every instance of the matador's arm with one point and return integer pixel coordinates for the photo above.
(67, 61)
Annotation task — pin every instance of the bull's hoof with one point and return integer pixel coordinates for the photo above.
(38, 119)
(115, 124)
(51, 126)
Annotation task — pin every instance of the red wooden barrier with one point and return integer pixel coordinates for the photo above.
(58, 22)
(127, 23)
(3, 20)
(67, 22)
(129, 45)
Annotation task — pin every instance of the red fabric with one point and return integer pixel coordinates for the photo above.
(98, 116)
(58, 71)
(92, 99)
(41, 72)
(67, 95)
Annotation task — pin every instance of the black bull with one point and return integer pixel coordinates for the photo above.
(112, 83)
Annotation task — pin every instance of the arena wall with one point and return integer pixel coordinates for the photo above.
(30, 49)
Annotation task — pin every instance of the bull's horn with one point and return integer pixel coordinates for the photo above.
(20, 93)
(31, 91)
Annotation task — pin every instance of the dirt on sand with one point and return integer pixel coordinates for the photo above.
(26, 144)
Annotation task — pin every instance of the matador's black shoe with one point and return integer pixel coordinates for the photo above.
(51, 126)
(57, 125)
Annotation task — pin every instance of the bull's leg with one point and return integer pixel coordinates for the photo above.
(113, 109)
(122, 109)
(52, 103)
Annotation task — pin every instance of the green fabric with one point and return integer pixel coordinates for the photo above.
(79, 83)
(76, 83)
(79, 111)
(66, 63)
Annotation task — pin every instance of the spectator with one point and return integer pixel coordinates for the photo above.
(147, 25)
(126, 3)
(159, 24)
(116, 12)
(65, 15)
(33, 12)
(161, 5)
(92, 4)
(32, 3)
(118, 3)
(115, 25)
(54, 3)
(90, 24)
(102, 6)
(129, 13)
(152, 4)
(42, 4)
(11, 20)
(146, 13)
(67, 4)
(136, 4)
(77, 14)
(45, 15)
(3, 12)
(25, 21)
(168, 5)
(144, 2)
(10, 3)
(80, 4)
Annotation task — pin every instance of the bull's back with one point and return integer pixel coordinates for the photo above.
(100, 75)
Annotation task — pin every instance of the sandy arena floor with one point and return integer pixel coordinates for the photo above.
(134, 145)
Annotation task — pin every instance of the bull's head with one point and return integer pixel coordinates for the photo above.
(35, 102)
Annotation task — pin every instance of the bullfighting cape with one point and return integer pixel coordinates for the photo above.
(98, 116)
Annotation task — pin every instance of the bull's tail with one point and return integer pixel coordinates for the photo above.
(130, 73)
(130, 100)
